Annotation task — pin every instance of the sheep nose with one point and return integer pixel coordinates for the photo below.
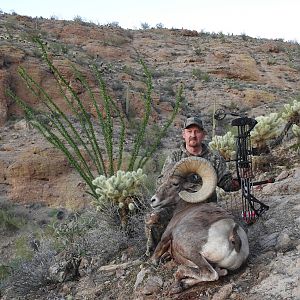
(153, 201)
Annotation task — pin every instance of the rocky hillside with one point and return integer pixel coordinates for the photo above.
(238, 73)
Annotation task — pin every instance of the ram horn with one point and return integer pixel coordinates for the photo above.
(205, 170)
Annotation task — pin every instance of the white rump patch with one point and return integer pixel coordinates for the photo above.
(219, 248)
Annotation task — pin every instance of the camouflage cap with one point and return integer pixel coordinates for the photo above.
(193, 121)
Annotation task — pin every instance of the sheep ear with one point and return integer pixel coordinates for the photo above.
(205, 170)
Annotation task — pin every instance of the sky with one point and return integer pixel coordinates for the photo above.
(272, 19)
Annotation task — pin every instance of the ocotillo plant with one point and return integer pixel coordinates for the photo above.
(73, 142)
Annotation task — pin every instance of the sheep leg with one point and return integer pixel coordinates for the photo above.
(162, 247)
(190, 273)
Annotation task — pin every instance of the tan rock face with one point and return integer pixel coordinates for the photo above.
(10, 57)
(36, 163)
(254, 98)
(43, 77)
(3, 167)
(43, 174)
(4, 78)
(244, 67)
(105, 52)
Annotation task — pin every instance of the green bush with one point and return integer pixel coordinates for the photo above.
(201, 75)
(9, 221)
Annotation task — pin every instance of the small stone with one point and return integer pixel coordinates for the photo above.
(283, 241)
(223, 293)
(282, 175)
(120, 273)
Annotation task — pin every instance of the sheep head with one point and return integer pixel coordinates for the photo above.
(177, 185)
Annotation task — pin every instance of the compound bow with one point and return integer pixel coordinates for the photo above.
(252, 208)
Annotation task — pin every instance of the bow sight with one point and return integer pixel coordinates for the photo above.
(252, 208)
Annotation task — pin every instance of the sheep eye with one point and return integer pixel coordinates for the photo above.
(176, 184)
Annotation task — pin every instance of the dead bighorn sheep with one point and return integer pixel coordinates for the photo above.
(203, 238)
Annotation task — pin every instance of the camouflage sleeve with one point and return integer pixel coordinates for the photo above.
(223, 174)
(171, 159)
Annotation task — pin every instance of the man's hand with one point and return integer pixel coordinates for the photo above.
(152, 218)
(235, 184)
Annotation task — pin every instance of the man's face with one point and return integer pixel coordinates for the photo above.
(193, 136)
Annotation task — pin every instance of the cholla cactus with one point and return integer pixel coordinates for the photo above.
(268, 127)
(291, 111)
(118, 188)
(224, 144)
(290, 114)
(296, 131)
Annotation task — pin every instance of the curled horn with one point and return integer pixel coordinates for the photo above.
(205, 170)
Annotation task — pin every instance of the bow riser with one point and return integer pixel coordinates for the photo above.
(252, 208)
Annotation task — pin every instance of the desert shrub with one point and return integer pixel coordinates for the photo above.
(9, 221)
(66, 233)
(159, 26)
(90, 235)
(22, 248)
(198, 51)
(78, 19)
(59, 48)
(4, 272)
(98, 234)
(106, 239)
(199, 74)
(128, 70)
(271, 61)
(145, 25)
(244, 37)
(114, 24)
(28, 276)
(168, 88)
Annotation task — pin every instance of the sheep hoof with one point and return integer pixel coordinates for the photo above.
(221, 272)
(176, 288)
(154, 262)
(165, 258)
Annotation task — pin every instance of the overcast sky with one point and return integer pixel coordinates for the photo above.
(272, 19)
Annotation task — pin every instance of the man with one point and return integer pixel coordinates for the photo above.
(193, 134)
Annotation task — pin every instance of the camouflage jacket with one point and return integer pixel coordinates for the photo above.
(223, 174)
